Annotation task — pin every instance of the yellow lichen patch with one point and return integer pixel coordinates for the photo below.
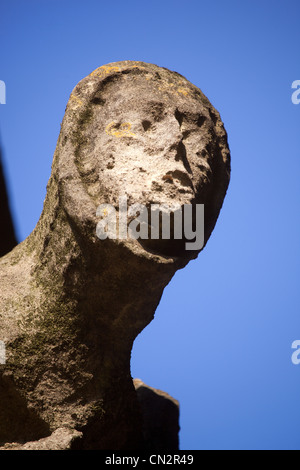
(105, 70)
(76, 99)
(136, 67)
(166, 86)
(170, 87)
(119, 130)
(184, 91)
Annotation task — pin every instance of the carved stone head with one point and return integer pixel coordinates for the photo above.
(140, 131)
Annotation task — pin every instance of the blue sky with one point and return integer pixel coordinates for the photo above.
(221, 339)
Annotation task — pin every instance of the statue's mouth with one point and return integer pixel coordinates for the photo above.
(173, 232)
(165, 248)
(170, 229)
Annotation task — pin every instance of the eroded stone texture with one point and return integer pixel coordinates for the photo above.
(60, 439)
(71, 305)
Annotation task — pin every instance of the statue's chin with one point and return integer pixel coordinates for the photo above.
(168, 248)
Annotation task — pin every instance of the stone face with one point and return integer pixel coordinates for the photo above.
(71, 305)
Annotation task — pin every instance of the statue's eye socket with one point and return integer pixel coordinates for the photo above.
(146, 125)
(201, 120)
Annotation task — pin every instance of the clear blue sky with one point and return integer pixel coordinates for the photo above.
(221, 339)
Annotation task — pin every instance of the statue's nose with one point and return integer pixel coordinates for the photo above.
(174, 139)
(175, 149)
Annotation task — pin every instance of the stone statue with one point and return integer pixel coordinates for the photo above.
(72, 304)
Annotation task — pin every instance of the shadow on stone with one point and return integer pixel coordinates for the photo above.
(160, 414)
(8, 238)
(25, 425)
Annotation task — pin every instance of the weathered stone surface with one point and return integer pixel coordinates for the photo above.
(71, 305)
(60, 439)
(160, 414)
